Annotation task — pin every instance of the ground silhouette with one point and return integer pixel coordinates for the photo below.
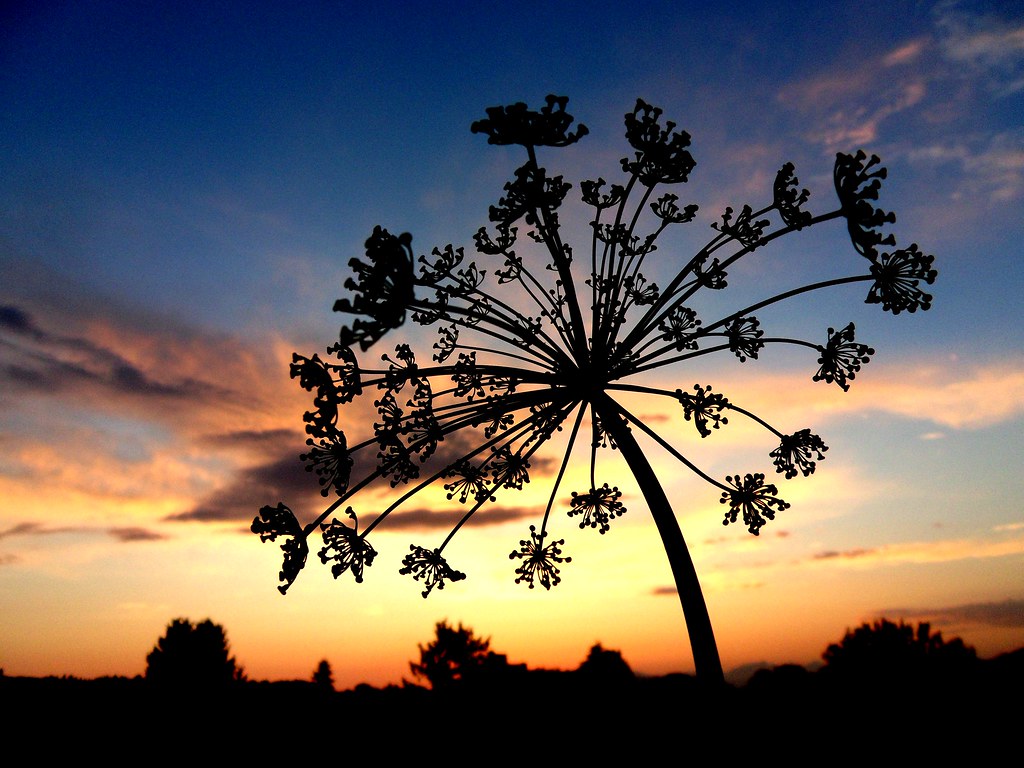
(599, 710)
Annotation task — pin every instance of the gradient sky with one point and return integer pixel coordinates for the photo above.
(182, 186)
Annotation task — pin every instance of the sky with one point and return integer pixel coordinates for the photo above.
(182, 187)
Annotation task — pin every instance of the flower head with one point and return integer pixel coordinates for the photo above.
(428, 566)
(516, 124)
(330, 460)
(898, 276)
(798, 453)
(540, 561)
(280, 521)
(841, 357)
(857, 181)
(598, 507)
(704, 407)
(745, 338)
(661, 155)
(753, 499)
(349, 551)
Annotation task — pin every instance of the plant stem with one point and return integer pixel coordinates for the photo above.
(695, 610)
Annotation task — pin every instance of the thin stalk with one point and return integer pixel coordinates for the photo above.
(695, 611)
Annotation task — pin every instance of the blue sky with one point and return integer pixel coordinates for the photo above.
(181, 190)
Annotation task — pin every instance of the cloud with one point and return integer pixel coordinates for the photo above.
(952, 394)
(848, 554)
(126, 414)
(921, 552)
(283, 477)
(845, 107)
(990, 167)
(985, 45)
(253, 438)
(38, 529)
(427, 519)
(1010, 527)
(18, 321)
(125, 534)
(134, 533)
(927, 100)
(114, 365)
(1007, 614)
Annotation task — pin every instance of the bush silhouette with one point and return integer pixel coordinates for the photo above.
(606, 665)
(452, 656)
(192, 656)
(896, 651)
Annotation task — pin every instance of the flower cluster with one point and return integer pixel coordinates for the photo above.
(540, 560)
(428, 566)
(523, 350)
(753, 499)
(798, 452)
(346, 548)
(598, 507)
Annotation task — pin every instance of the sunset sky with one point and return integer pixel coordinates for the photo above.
(183, 184)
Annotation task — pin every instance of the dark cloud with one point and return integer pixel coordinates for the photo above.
(125, 377)
(133, 533)
(283, 478)
(730, 539)
(56, 363)
(8, 559)
(847, 555)
(665, 590)
(426, 519)
(1008, 613)
(18, 321)
(37, 529)
(254, 438)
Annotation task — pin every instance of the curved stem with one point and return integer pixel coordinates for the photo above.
(695, 610)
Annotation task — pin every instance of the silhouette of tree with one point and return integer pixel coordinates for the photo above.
(606, 665)
(192, 656)
(525, 349)
(323, 676)
(895, 651)
(453, 655)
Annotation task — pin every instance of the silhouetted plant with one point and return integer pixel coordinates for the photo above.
(192, 656)
(453, 655)
(525, 349)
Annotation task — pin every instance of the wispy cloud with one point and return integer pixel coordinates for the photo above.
(135, 533)
(1008, 613)
(986, 45)
(50, 363)
(953, 394)
(123, 534)
(38, 529)
(845, 107)
(281, 478)
(429, 519)
(991, 167)
(925, 552)
(926, 100)
(848, 554)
